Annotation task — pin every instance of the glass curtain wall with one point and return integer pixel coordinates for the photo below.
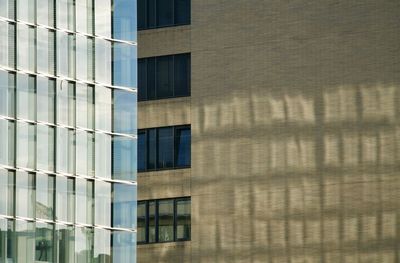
(68, 131)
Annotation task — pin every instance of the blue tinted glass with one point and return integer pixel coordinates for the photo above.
(142, 151)
(152, 149)
(124, 112)
(142, 14)
(183, 140)
(124, 23)
(151, 78)
(151, 13)
(165, 11)
(165, 69)
(124, 67)
(182, 12)
(182, 75)
(165, 147)
(124, 158)
(142, 79)
(124, 206)
(124, 247)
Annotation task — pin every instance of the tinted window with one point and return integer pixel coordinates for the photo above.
(182, 144)
(142, 17)
(164, 77)
(142, 79)
(165, 147)
(182, 12)
(182, 75)
(142, 151)
(165, 12)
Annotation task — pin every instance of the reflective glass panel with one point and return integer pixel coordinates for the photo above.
(142, 79)
(7, 93)
(152, 221)
(26, 97)
(84, 245)
(124, 112)
(152, 150)
(102, 245)
(6, 44)
(103, 108)
(124, 66)
(181, 75)
(45, 12)
(85, 106)
(103, 61)
(124, 247)
(7, 142)
(46, 96)
(26, 145)
(182, 147)
(45, 50)
(65, 150)
(25, 239)
(103, 155)
(5, 7)
(45, 147)
(84, 52)
(102, 203)
(66, 54)
(103, 17)
(165, 220)
(66, 103)
(7, 190)
(141, 222)
(124, 206)
(7, 242)
(165, 11)
(165, 147)
(65, 199)
(183, 220)
(45, 196)
(65, 244)
(25, 194)
(85, 153)
(124, 24)
(66, 14)
(26, 53)
(181, 12)
(142, 14)
(44, 245)
(124, 158)
(84, 201)
(165, 70)
(142, 151)
(84, 16)
(26, 10)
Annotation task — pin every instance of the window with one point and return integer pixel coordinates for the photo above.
(25, 194)
(66, 150)
(84, 52)
(45, 12)
(84, 201)
(102, 203)
(66, 103)
(45, 147)
(26, 145)
(7, 94)
(164, 148)
(85, 106)
(7, 189)
(44, 245)
(164, 77)
(65, 199)
(165, 220)
(124, 158)
(163, 13)
(46, 96)
(7, 44)
(45, 51)
(7, 142)
(26, 97)
(123, 205)
(26, 53)
(44, 196)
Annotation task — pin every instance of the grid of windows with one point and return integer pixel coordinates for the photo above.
(163, 13)
(164, 220)
(164, 77)
(164, 148)
(68, 131)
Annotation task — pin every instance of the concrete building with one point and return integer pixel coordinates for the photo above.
(294, 111)
(68, 131)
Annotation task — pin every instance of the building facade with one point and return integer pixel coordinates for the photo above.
(293, 109)
(68, 131)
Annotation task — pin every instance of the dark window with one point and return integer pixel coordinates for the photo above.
(164, 77)
(165, 220)
(164, 148)
(162, 13)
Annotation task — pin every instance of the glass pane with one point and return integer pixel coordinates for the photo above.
(165, 10)
(183, 222)
(152, 149)
(103, 17)
(45, 148)
(103, 61)
(26, 97)
(45, 51)
(66, 54)
(165, 220)
(142, 14)
(124, 206)
(182, 75)
(84, 106)
(151, 79)
(7, 189)
(26, 10)
(44, 196)
(46, 96)
(124, 23)
(182, 12)
(151, 13)
(25, 239)
(26, 145)
(103, 155)
(7, 93)
(142, 79)
(103, 108)
(65, 150)
(124, 247)
(124, 158)
(65, 238)
(84, 201)
(84, 245)
(165, 147)
(84, 153)
(142, 151)
(124, 112)
(25, 194)
(165, 69)
(66, 103)
(65, 199)
(6, 44)
(7, 142)
(5, 7)
(84, 16)
(84, 51)
(66, 14)
(152, 221)
(45, 12)
(26, 54)
(124, 67)
(102, 203)
(141, 222)
(7, 242)
(44, 244)
(102, 245)
(182, 147)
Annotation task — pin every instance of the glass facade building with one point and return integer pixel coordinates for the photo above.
(68, 131)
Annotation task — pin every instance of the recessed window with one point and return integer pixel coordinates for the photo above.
(165, 220)
(164, 77)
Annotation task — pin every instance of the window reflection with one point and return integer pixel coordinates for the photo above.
(123, 249)
(103, 61)
(102, 203)
(45, 12)
(26, 97)
(45, 147)
(25, 194)
(7, 241)
(103, 17)
(85, 106)
(102, 245)
(65, 244)
(84, 201)
(165, 147)
(103, 155)
(46, 96)
(7, 44)
(66, 54)
(183, 219)
(7, 139)
(124, 66)
(124, 158)
(45, 50)
(66, 14)
(26, 53)
(7, 189)
(124, 204)
(84, 51)
(26, 10)
(124, 112)
(165, 220)
(84, 244)
(44, 244)
(85, 153)
(124, 24)
(66, 103)
(84, 16)
(26, 145)
(65, 199)
(7, 93)
(103, 108)
(25, 240)
(65, 150)
(44, 196)
(141, 222)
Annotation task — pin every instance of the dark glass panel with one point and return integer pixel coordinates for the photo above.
(182, 75)
(165, 220)
(142, 14)
(182, 12)
(165, 147)
(152, 149)
(142, 151)
(151, 13)
(142, 79)
(141, 222)
(183, 219)
(165, 13)
(182, 147)
(165, 77)
(151, 78)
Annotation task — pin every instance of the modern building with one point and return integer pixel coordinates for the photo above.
(292, 111)
(68, 131)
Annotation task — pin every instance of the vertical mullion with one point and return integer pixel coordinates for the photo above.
(175, 220)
